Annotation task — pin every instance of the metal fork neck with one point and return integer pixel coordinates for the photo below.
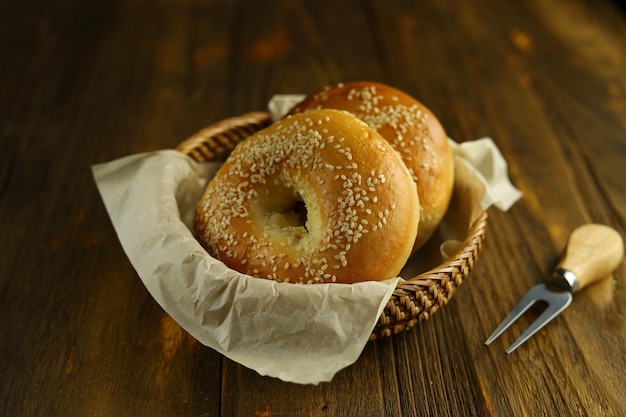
(565, 279)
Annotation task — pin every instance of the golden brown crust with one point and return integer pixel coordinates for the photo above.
(411, 129)
(358, 223)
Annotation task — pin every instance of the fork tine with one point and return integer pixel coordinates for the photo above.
(557, 303)
(531, 296)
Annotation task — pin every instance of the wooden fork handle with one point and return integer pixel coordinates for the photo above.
(593, 252)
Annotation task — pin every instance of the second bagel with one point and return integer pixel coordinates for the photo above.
(411, 129)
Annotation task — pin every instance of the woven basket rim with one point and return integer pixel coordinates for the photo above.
(414, 299)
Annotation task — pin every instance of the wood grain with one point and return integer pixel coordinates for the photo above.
(90, 81)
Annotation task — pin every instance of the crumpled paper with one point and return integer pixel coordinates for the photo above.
(298, 333)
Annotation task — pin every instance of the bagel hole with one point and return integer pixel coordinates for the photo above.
(287, 210)
(294, 214)
(288, 218)
(299, 210)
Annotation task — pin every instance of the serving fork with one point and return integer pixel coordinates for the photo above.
(592, 253)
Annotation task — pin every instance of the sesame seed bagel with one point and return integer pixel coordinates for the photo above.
(316, 197)
(411, 129)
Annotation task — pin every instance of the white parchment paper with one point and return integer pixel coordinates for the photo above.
(298, 333)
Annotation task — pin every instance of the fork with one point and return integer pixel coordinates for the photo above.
(592, 253)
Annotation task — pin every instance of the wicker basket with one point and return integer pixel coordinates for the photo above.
(414, 299)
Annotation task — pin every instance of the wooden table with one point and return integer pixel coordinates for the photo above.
(90, 81)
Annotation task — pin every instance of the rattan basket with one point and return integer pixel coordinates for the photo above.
(414, 299)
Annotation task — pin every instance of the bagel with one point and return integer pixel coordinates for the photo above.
(314, 198)
(411, 129)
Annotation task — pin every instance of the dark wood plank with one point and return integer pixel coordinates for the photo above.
(80, 334)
